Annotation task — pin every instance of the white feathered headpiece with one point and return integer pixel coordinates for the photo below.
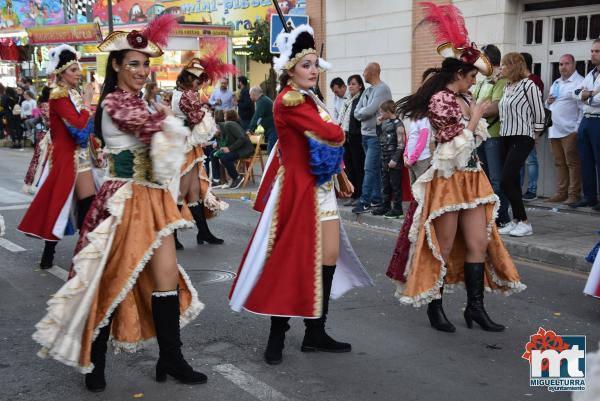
(295, 45)
(61, 57)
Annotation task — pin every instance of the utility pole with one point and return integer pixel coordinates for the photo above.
(110, 16)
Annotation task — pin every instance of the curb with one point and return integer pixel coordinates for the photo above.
(516, 248)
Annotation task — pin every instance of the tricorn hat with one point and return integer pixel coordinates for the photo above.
(149, 41)
(448, 26)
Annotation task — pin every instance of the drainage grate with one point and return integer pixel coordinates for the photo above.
(210, 276)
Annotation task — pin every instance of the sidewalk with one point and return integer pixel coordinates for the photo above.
(562, 236)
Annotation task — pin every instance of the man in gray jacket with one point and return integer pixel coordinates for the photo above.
(366, 112)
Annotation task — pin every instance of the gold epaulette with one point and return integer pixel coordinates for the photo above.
(59, 92)
(292, 98)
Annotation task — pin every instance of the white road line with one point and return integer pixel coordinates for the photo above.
(11, 246)
(58, 272)
(249, 384)
(8, 196)
(15, 207)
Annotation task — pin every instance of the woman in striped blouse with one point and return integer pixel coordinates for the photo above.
(521, 122)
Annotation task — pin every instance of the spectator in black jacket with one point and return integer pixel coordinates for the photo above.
(245, 104)
(354, 154)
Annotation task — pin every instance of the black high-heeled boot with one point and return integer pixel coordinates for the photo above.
(178, 245)
(315, 337)
(165, 311)
(204, 233)
(95, 381)
(274, 351)
(437, 316)
(48, 255)
(83, 206)
(475, 310)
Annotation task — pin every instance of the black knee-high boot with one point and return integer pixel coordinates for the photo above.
(475, 309)
(165, 311)
(204, 233)
(437, 317)
(273, 352)
(315, 337)
(95, 381)
(48, 255)
(178, 245)
(83, 205)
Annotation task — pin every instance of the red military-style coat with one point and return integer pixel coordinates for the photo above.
(48, 216)
(280, 273)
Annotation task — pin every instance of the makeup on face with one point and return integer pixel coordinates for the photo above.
(134, 71)
(305, 72)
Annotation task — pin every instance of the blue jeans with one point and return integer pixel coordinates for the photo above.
(532, 172)
(491, 154)
(371, 189)
(588, 143)
(271, 139)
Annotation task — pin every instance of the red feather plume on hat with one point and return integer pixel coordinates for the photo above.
(159, 29)
(212, 64)
(448, 24)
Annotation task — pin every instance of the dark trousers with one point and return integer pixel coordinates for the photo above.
(391, 184)
(228, 160)
(515, 152)
(588, 143)
(271, 139)
(354, 161)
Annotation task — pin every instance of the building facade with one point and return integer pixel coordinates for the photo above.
(388, 32)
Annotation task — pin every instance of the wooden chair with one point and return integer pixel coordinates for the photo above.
(246, 166)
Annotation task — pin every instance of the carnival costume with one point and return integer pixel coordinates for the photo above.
(455, 181)
(592, 285)
(112, 292)
(40, 154)
(281, 273)
(52, 213)
(187, 106)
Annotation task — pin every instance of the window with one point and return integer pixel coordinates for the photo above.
(529, 32)
(580, 67)
(555, 72)
(537, 69)
(534, 31)
(539, 27)
(569, 29)
(594, 26)
(582, 27)
(558, 30)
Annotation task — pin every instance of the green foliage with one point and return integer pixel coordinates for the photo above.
(259, 43)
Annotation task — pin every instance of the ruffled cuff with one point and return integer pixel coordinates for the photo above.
(167, 149)
(204, 130)
(455, 154)
(325, 160)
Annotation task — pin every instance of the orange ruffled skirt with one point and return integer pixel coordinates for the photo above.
(426, 271)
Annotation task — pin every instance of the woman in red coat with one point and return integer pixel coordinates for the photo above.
(288, 268)
(68, 177)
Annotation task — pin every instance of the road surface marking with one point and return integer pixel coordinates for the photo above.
(58, 272)
(249, 384)
(11, 246)
(547, 268)
(15, 207)
(8, 196)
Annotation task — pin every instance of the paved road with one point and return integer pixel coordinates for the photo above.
(396, 355)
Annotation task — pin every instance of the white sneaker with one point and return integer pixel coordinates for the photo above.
(522, 229)
(508, 227)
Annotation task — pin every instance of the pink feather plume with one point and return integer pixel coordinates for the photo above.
(159, 29)
(448, 24)
(213, 66)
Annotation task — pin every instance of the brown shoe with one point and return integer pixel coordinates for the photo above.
(571, 200)
(556, 198)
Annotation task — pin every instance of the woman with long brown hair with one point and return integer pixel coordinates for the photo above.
(127, 280)
(453, 237)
